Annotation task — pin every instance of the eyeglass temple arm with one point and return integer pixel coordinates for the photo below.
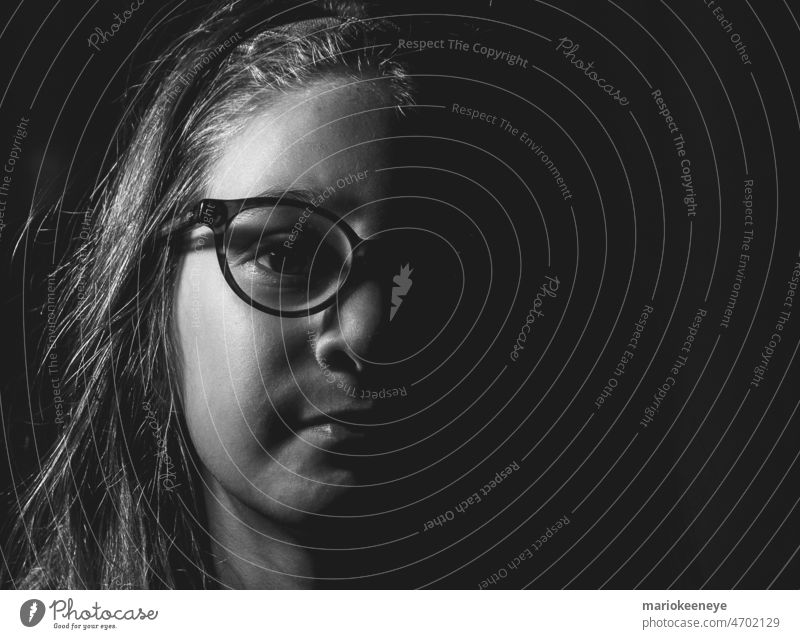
(204, 212)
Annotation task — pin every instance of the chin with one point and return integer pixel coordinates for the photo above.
(299, 499)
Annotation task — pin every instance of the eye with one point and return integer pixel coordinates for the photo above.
(278, 258)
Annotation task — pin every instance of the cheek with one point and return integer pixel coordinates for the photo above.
(230, 360)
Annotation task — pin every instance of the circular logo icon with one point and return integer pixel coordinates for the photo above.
(31, 612)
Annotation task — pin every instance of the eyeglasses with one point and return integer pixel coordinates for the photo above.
(282, 256)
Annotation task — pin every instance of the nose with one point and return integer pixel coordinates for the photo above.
(352, 328)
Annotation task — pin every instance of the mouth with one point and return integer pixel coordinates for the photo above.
(341, 432)
(333, 431)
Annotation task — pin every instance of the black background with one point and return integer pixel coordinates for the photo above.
(706, 495)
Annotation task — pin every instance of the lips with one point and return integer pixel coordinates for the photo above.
(333, 437)
(352, 431)
(370, 417)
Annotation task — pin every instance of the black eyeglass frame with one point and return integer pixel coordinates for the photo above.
(218, 215)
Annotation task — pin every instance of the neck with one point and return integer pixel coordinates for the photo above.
(249, 550)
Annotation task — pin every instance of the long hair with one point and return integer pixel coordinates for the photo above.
(116, 503)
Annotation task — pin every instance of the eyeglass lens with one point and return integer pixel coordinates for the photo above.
(286, 257)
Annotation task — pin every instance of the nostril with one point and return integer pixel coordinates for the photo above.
(340, 362)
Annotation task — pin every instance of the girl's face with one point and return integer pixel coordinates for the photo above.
(256, 387)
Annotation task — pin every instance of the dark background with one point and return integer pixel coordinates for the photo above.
(706, 495)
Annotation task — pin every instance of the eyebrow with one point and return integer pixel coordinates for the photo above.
(307, 196)
(328, 198)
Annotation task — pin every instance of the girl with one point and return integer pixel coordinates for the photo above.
(225, 320)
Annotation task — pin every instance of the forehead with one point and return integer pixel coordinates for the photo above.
(311, 138)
